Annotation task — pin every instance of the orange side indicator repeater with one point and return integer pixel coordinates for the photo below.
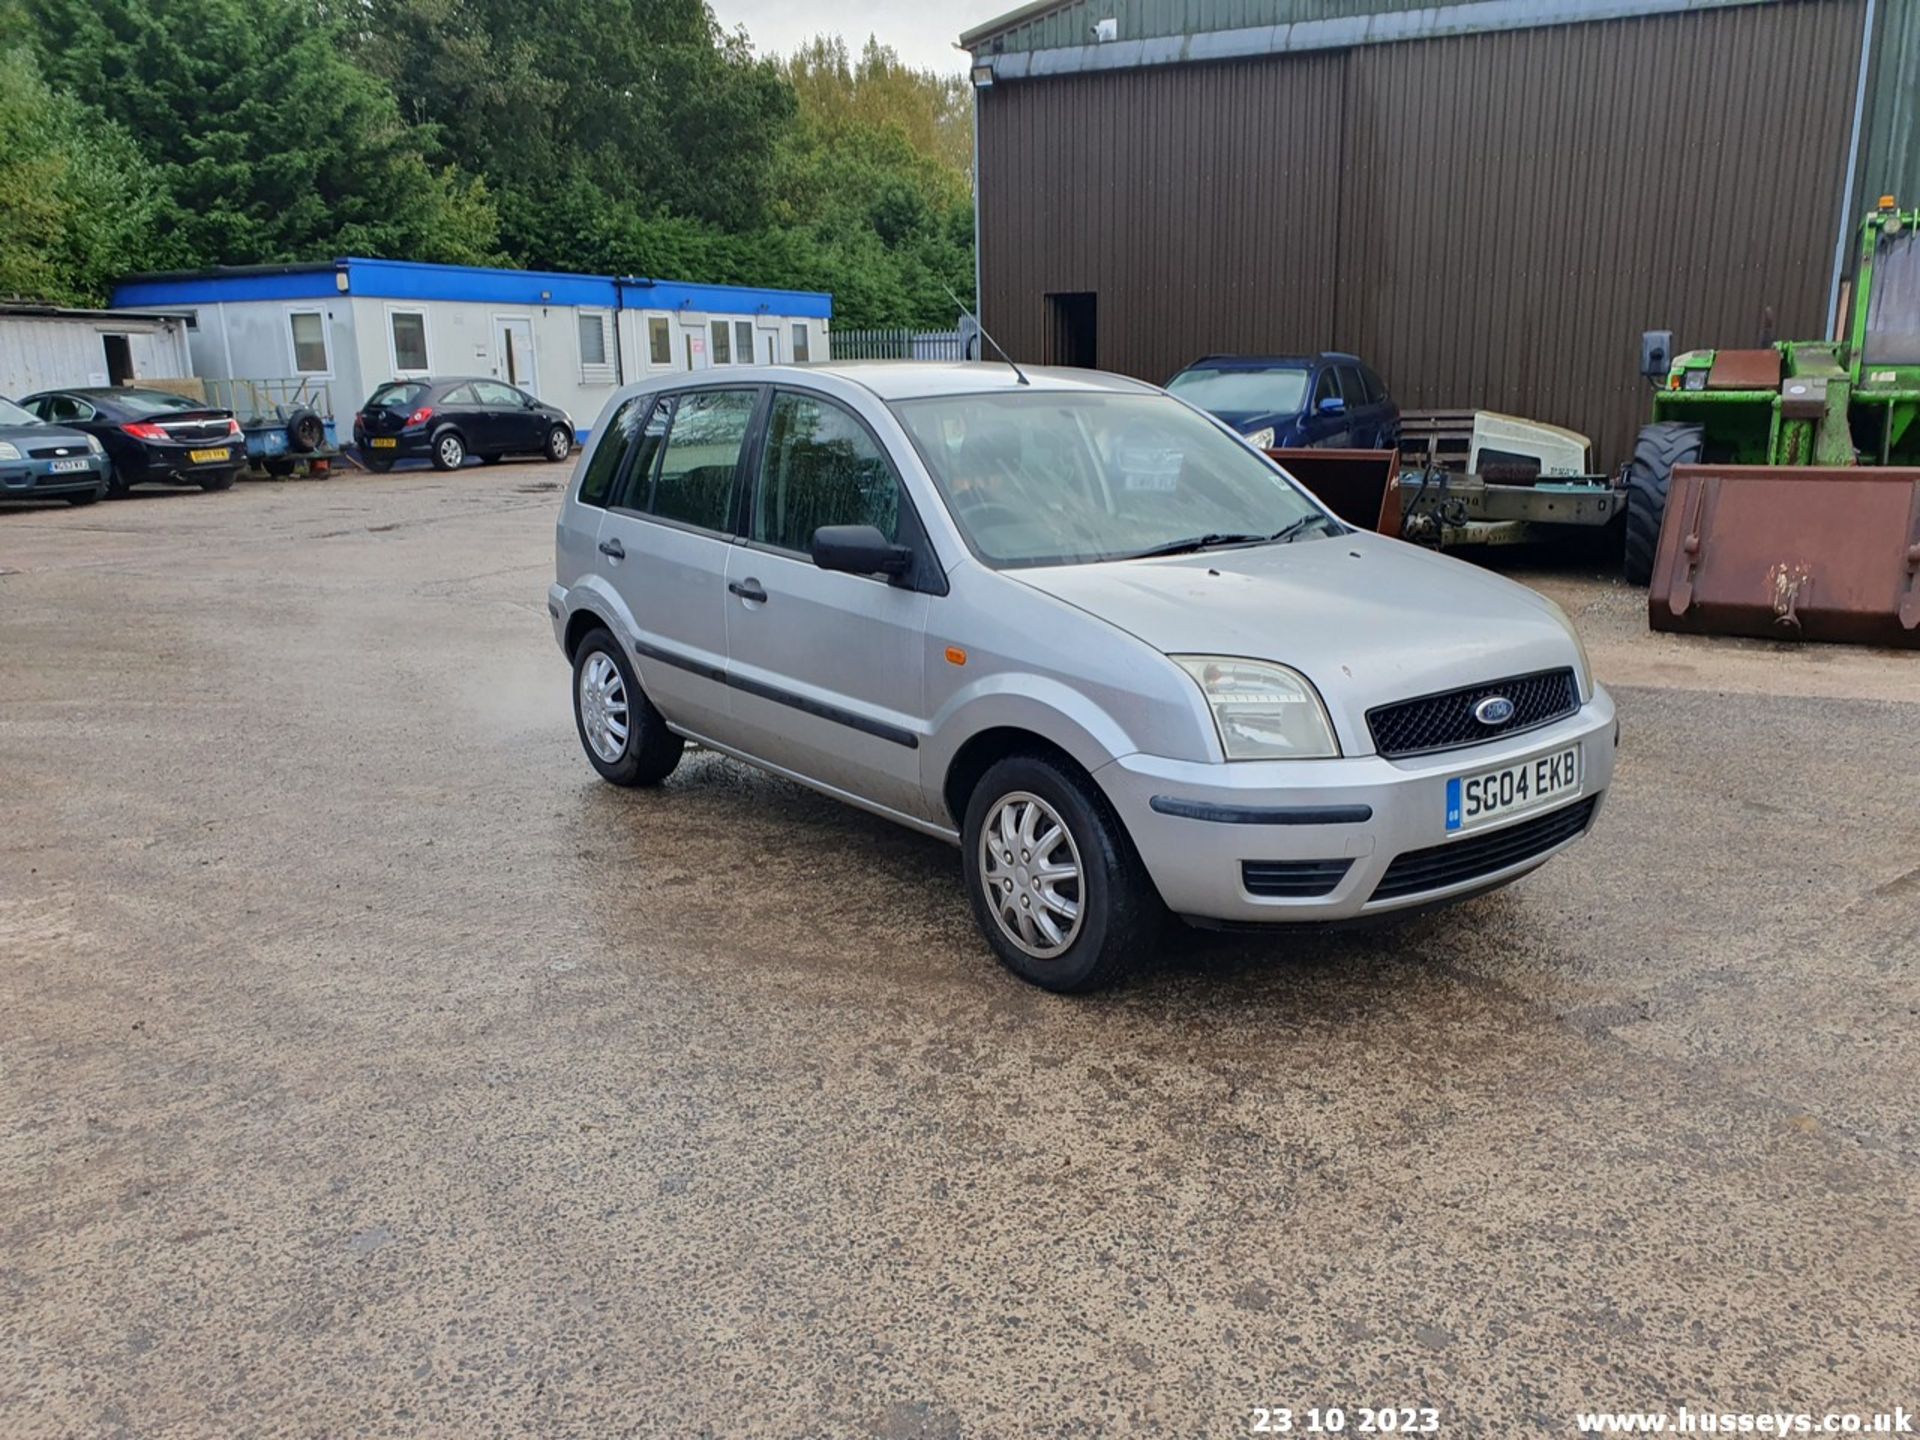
(955, 655)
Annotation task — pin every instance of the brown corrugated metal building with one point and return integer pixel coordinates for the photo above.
(1487, 201)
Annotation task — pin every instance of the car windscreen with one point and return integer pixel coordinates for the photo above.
(401, 395)
(1242, 392)
(12, 414)
(1064, 477)
(153, 402)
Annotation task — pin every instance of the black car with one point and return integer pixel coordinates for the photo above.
(445, 421)
(1280, 402)
(150, 436)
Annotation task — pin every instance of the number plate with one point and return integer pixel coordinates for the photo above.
(207, 457)
(385, 442)
(66, 467)
(1487, 795)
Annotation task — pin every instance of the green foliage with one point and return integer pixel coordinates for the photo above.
(623, 136)
(76, 201)
(269, 143)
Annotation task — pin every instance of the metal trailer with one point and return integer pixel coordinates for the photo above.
(1477, 477)
(1777, 491)
(287, 423)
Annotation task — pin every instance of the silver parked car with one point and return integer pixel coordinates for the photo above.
(1080, 629)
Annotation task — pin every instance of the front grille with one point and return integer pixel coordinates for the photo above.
(1293, 879)
(1446, 722)
(55, 452)
(1458, 861)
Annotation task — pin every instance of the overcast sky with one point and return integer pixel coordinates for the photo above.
(923, 31)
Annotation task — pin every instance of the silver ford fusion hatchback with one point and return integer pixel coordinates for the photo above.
(1080, 629)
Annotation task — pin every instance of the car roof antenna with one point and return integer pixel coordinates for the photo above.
(1020, 374)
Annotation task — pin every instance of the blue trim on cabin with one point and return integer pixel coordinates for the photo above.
(416, 280)
(413, 280)
(641, 294)
(214, 287)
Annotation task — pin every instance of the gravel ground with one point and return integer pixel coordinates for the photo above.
(367, 1067)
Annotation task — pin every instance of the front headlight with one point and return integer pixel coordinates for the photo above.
(1261, 439)
(1262, 711)
(9, 451)
(95, 447)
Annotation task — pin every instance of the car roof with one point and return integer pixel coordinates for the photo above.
(917, 379)
(1275, 362)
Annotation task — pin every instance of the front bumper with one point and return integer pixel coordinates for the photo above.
(32, 479)
(1196, 862)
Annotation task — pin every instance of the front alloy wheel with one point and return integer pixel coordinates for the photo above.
(1030, 873)
(559, 443)
(1054, 881)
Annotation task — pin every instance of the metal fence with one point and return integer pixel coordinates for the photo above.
(896, 345)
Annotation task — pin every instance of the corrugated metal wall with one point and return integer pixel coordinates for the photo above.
(1490, 219)
(1890, 163)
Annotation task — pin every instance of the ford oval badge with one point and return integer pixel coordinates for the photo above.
(1494, 710)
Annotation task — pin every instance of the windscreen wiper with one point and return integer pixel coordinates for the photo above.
(1287, 534)
(1193, 543)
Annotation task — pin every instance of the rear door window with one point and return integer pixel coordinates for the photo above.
(702, 455)
(1376, 387)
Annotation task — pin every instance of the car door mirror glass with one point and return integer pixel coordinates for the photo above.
(859, 550)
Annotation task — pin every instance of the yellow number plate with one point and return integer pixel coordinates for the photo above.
(203, 457)
(388, 443)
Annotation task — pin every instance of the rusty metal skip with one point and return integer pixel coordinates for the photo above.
(1791, 554)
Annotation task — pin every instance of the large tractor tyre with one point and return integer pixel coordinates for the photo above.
(1660, 447)
(306, 432)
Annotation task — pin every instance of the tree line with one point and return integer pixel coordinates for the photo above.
(617, 136)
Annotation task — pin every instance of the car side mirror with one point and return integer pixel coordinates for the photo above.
(1656, 353)
(859, 550)
(1333, 405)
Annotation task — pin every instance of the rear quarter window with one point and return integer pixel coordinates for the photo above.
(603, 466)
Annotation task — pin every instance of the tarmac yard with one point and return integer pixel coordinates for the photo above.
(368, 1067)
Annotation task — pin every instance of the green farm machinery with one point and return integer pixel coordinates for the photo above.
(1777, 491)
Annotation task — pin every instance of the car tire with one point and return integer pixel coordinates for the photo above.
(1117, 915)
(377, 466)
(1660, 448)
(625, 738)
(278, 466)
(449, 451)
(116, 487)
(223, 481)
(559, 444)
(306, 432)
(91, 497)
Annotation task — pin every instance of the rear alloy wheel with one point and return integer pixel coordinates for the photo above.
(1053, 879)
(449, 452)
(1660, 448)
(625, 738)
(559, 443)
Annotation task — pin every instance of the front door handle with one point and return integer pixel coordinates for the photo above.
(613, 549)
(747, 590)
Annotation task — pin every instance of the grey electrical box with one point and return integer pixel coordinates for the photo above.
(1804, 397)
(1656, 353)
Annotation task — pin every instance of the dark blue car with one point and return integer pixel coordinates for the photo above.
(1279, 402)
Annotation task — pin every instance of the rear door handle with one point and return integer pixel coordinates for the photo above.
(614, 549)
(747, 590)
